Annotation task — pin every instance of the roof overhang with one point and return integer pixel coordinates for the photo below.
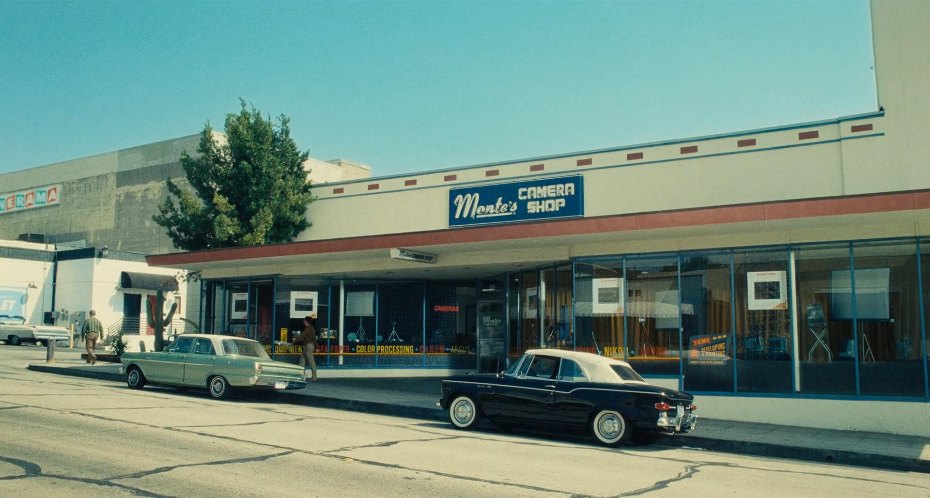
(485, 251)
(134, 281)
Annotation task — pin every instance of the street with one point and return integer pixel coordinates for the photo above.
(64, 436)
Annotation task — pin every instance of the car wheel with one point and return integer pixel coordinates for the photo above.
(463, 413)
(218, 387)
(134, 378)
(611, 428)
(13, 340)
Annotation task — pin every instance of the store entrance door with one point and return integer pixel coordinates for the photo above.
(492, 350)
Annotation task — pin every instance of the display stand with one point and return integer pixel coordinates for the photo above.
(866, 347)
(394, 337)
(360, 334)
(817, 325)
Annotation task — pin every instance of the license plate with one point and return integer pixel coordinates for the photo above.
(280, 384)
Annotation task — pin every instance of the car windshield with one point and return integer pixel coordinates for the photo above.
(512, 369)
(626, 373)
(243, 347)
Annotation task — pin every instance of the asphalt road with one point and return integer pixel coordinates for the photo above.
(64, 436)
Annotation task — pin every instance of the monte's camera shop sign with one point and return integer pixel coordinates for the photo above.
(549, 198)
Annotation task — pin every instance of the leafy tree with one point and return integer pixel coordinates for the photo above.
(248, 190)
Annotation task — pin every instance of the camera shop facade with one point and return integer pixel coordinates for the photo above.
(781, 274)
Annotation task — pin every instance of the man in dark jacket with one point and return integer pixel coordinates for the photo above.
(307, 339)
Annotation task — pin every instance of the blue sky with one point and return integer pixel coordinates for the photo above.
(408, 86)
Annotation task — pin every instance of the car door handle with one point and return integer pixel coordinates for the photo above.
(549, 386)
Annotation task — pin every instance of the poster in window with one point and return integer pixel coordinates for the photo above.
(303, 303)
(607, 295)
(360, 303)
(532, 301)
(239, 309)
(873, 293)
(767, 290)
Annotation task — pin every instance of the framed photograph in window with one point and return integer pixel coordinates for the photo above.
(767, 290)
(303, 303)
(239, 309)
(607, 295)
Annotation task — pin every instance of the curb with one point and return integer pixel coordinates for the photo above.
(691, 441)
(822, 455)
(75, 372)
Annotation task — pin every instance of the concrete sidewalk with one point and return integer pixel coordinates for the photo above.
(416, 397)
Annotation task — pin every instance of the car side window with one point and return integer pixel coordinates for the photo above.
(570, 371)
(182, 345)
(543, 367)
(204, 346)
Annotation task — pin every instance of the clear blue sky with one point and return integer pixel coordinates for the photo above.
(409, 86)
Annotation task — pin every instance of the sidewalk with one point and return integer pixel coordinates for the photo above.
(416, 398)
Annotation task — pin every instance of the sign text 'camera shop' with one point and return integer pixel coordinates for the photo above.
(549, 198)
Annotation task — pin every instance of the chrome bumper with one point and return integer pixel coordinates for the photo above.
(680, 421)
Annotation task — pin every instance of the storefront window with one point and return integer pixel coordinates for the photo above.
(400, 324)
(237, 305)
(529, 305)
(706, 322)
(763, 324)
(885, 314)
(360, 324)
(295, 298)
(450, 330)
(653, 315)
(557, 305)
(599, 305)
(923, 350)
(261, 309)
(514, 319)
(826, 341)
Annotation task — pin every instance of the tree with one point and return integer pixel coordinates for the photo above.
(249, 190)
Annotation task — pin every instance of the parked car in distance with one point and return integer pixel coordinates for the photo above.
(568, 391)
(15, 331)
(218, 363)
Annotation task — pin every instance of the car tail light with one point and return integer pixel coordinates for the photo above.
(663, 406)
(691, 408)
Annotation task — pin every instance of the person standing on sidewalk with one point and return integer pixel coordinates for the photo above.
(91, 330)
(307, 339)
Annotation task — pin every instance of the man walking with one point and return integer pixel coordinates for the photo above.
(307, 339)
(92, 329)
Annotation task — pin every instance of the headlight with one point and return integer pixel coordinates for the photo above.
(258, 368)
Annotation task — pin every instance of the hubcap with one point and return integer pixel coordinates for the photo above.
(133, 377)
(609, 426)
(463, 412)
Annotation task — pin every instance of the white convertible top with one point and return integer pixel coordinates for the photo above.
(597, 368)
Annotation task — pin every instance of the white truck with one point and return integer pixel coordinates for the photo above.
(18, 333)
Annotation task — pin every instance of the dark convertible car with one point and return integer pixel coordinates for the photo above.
(561, 391)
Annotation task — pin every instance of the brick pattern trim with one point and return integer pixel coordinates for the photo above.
(808, 135)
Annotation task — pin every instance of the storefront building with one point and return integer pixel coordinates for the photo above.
(781, 274)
